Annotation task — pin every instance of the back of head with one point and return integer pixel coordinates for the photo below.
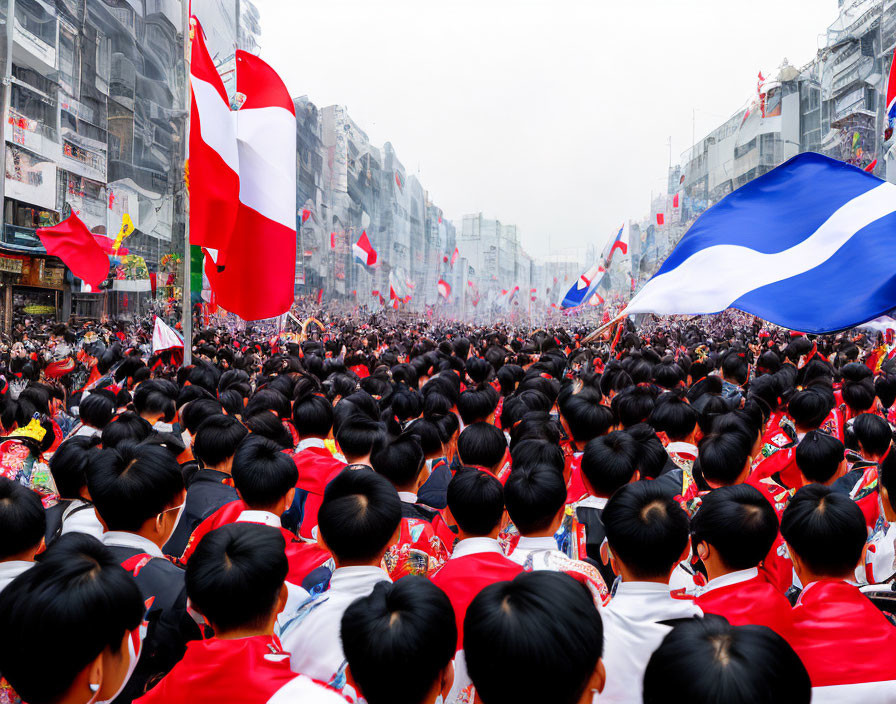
(268, 425)
(409, 622)
(633, 405)
(652, 456)
(610, 462)
(262, 473)
(858, 387)
(476, 500)
(673, 416)
(646, 530)
(359, 515)
(738, 523)
(477, 404)
(312, 416)
(825, 530)
(810, 406)
(534, 495)
(872, 433)
(217, 438)
(722, 458)
(88, 602)
(359, 436)
(156, 397)
(543, 625)
(96, 410)
(481, 445)
(536, 452)
(818, 456)
(709, 660)
(131, 484)
(22, 521)
(400, 461)
(69, 464)
(585, 418)
(128, 427)
(196, 412)
(235, 576)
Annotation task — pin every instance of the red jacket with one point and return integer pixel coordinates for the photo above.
(317, 467)
(750, 602)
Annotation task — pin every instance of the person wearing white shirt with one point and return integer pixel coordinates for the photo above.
(75, 512)
(358, 520)
(22, 525)
(647, 533)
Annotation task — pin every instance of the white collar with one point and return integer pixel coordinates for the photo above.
(123, 539)
(13, 568)
(75, 503)
(541, 543)
(681, 446)
(642, 588)
(408, 497)
(311, 442)
(265, 517)
(735, 577)
(474, 546)
(598, 502)
(357, 579)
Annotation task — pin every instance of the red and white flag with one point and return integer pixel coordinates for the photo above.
(164, 338)
(256, 249)
(364, 251)
(454, 256)
(444, 288)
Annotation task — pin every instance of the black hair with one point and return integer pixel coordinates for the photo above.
(885, 387)
(585, 418)
(673, 416)
(192, 393)
(262, 473)
(734, 366)
(22, 520)
(540, 623)
(128, 427)
(195, 412)
(633, 405)
(646, 529)
(428, 434)
(721, 458)
(476, 500)
(268, 425)
(96, 410)
(528, 453)
(359, 436)
(809, 407)
(668, 374)
(872, 432)
(739, 523)
(269, 399)
(481, 445)
(825, 529)
(409, 622)
(652, 456)
(475, 405)
(610, 462)
(709, 660)
(858, 387)
(359, 514)
(312, 416)
(534, 495)
(80, 593)
(406, 404)
(236, 573)
(129, 484)
(400, 461)
(233, 401)
(217, 438)
(69, 465)
(818, 456)
(156, 397)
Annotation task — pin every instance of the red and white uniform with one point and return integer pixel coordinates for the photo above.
(683, 454)
(317, 467)
(745, 597)
(535, 554)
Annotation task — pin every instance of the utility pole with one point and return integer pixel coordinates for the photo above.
(186, 303)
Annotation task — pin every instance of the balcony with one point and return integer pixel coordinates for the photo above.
(21, 239)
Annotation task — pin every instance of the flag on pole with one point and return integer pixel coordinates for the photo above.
(454, 256)
(364, 251)
(660, 219)
(164, 338)
(809, 246)
(595, 300)
(578, 291)
(891, 101)
(444, 288)
(620, 242)
(675, 200)
(73, 243)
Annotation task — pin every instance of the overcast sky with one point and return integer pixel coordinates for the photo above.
(553, 115)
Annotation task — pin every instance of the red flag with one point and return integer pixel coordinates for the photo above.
(444, 288)
(675, 201)
(660, 219)
(320, 296)
(305, 214)
(870, 167)
(454, 256)
(375, 294)
(332, 240)
(72, 242)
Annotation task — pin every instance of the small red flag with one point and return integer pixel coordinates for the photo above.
(72, 242)
(320, 296)
(660, 219)
(332, 240)
(306, 214)
(675, 201)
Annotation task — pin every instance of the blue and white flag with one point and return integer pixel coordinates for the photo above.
(585, 285)
(810, 246)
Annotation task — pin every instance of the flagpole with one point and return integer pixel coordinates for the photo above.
(593, 335)
(186, 293)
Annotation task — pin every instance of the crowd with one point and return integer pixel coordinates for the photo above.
(419, 511)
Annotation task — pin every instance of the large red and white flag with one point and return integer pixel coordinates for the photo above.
(164, 338)
(253, 270)
(444, 288)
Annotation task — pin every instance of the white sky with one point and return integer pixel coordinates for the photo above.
(553, 115)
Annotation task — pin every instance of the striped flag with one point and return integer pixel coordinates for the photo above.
(891, 101)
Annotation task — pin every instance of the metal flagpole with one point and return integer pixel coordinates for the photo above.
(186, 294)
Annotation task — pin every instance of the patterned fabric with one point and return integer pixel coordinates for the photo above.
(419, 551)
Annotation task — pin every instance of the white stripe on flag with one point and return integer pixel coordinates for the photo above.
(215, 122)
(267, 148)
(711, 279)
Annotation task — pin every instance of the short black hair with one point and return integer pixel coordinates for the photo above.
(268, 425)
(481, 445)
(409, 622)
(359, 435)
(809, 407)
(400, 461)
(610, 462)
(235, 575)
(80, 593)
(537, 452)
(534, 495)
(721, 457)
(819, 455)
(542, 623)
(156, 396)
(131, 484)
(646, 529)
(22, 519)
(96, 410)
(585, 418)
(872, 432)
(475, 405)
(69, 465)
(673, 416)
(262, 473)
(128, 427)
(709, 660)
(198, 411)
(312, 416)
(476, 500)
(739, 523)
(825, 529)
(217, 438)
(652, 456)
(633, 405)
(359, 514)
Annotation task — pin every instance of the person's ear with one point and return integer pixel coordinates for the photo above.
(447, 680)
(95, 675)
(595, 683)
(288, 499)
(703, 550)
(282, 598)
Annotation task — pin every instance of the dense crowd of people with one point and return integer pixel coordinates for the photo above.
(405, 511)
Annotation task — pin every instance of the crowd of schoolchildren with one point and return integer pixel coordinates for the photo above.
(419, 512)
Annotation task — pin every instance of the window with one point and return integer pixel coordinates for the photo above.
(32, 16)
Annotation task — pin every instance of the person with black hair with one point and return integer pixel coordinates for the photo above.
(633, 405)
(483, 445)
(582, 419)
(820, 458)
(95, 410)
(711, 661)
(677, 420)
(869, 439)
(154, 402)
(410, 622)
(844, 641)
(537, 638)
(647, 536)
(358, 520)
(211, 487)
(476, 505)
(236, 582)
(358, 437)
(419, 550)
(74, 512)
(127, 427)
(94, 609)
(22, 525)
(732, 534)
(138, 494)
